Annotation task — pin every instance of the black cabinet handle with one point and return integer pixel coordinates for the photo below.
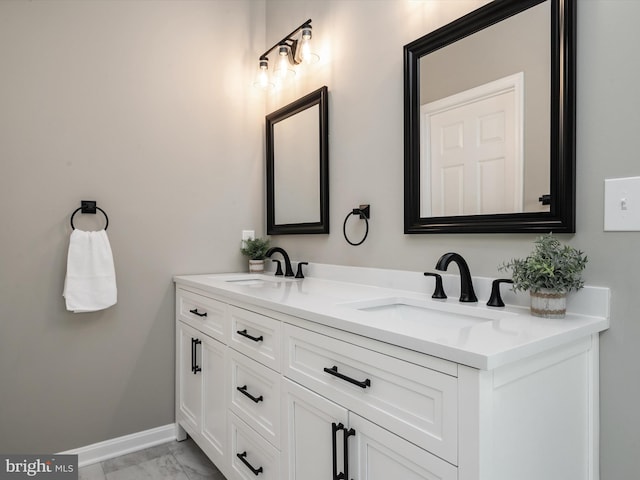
(193, 355)
(335, 428)
(334, 371)
(196, 312)
(194, 362)
(243, 390)
(246, 335)
(243, 458)
(347, 433)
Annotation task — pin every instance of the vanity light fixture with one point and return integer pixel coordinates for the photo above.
(283, 71)
(306, 54)
(293, 50)
(262, 78)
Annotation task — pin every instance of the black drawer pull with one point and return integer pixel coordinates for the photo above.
(246, 335)
(243, 458)
(194, 362)
(196, 312)
(334, 371)
(243, 390)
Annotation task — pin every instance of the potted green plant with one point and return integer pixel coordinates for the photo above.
(256, 250)
(549, 272)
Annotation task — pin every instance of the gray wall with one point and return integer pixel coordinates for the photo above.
(362, 66)
(137, 105)
(132, 103)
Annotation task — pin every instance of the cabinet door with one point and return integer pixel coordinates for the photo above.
(376, 453)
(189, 383)
(214, 407)
(309, 439)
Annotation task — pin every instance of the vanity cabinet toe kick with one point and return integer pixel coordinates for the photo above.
(270, 396)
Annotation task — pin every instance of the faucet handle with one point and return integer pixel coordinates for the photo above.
(495, 300)
(439, 290)
(299, 272)
(278, 267)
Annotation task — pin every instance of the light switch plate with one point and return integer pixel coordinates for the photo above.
(622, 204)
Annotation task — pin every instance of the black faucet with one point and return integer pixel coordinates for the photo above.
(466, 284)
(438, 292)
(287, 262)
(495, 300)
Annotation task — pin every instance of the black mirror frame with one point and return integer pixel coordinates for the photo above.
(561, 217)
(320, 98)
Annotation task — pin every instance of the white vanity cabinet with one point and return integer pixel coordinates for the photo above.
(359, 388)
(254, 400)
(228, 384)
(325, 440)
(269, 395)
(200, 388)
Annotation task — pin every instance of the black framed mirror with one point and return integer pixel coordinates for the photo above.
(490, 122)
(297, 154)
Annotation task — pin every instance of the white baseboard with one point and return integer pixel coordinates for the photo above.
(115, 447)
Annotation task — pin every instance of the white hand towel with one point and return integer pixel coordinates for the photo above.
(90, 283)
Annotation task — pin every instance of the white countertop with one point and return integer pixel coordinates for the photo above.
(470, 334)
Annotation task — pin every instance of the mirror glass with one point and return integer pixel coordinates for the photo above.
(489, 122)
(296, 174)
(297, 167)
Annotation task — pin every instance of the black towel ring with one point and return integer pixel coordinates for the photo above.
(88, 206)
(364, 212)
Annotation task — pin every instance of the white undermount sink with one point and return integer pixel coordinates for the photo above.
(434, 313)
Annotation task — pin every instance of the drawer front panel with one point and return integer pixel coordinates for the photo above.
(251, 455)
(203, 313)
(257, 336)
(255, 395)
(416, 403)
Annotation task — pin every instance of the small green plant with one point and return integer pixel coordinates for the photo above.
(255, 248)
(551, 266)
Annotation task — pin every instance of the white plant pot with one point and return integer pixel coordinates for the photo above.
(256, 266)
(548, 304)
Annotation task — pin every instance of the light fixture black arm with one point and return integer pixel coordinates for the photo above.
(288, 41)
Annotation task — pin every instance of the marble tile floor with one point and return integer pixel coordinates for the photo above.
(169, 461)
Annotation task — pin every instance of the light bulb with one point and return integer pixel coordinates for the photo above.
(262, 77)
(282, 70)
(306, 55)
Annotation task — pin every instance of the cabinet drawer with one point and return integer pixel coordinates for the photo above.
(257, 336)
(251, 455)
(255, 395)
(203, 313)
(415, 402)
